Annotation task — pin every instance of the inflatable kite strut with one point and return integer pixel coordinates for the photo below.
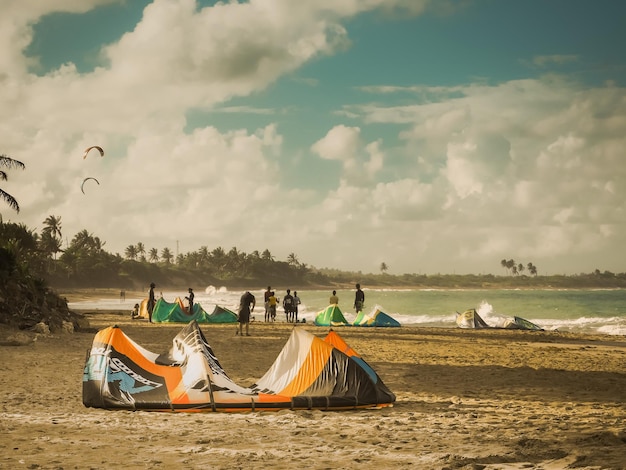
(309, 373)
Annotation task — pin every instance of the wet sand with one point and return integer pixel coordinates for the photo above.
(466, 399)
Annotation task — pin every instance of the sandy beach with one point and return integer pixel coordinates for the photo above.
(466, 399)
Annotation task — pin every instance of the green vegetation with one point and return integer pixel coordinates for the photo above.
(25, 298)
(85, 263)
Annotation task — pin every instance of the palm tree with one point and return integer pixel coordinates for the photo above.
(51, 235)
(503, 263)
(166, 255)
(532, 269)
(9, 162)
(53, 226)
(520, 268)
(203, 255)
(266, 255)
(154, 255)
(510, 264)
(49, 245)
(292, 259)
(130, 252)
(98, 244)
(141, 251)
(218, 253)
(383, 267)
(82, 239)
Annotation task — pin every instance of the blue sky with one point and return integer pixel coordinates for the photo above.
(434, 136)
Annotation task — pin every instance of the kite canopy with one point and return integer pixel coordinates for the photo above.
(223, 315)
(519, 323)
(176, 312)
(330, 316)
(309, 373)
(471, 319)
(85, 180)
(378, 318)
(98, 148)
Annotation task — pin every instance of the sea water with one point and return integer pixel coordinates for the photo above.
(574, 310)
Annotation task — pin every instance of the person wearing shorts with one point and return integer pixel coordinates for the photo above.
(246, 307)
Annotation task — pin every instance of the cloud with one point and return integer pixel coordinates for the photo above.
(546, 60)
(545, 148)
(340, 143)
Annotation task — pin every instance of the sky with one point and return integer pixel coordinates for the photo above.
(434, 136)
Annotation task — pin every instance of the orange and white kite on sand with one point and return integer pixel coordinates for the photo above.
(309, 373)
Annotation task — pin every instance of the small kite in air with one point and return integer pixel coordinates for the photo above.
(93, 147)
(83, 184)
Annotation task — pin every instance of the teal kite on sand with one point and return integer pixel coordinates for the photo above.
(331, 316)
(378, 318)
(175, 312)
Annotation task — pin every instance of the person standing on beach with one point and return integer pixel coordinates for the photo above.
(359, 299)
(271, 306)
(333, 298)
(267, 294)
(296, 302)
(246, 307)
(190, 299)
(151, 301)
(288, 306)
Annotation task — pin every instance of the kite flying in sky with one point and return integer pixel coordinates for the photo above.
(83, 184)
(93, 147)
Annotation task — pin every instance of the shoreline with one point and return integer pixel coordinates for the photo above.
(413, 309)
(122, 318)
(82, 294)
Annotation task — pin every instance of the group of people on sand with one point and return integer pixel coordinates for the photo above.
(248, 302)
(359, 299)
(290, 305)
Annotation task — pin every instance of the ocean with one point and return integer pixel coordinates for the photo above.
(570, 310)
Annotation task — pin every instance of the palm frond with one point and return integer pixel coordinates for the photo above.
(10, 200)
(11, 162)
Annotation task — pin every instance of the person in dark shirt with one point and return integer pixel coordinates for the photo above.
(296, 302)
(267, 294)
(151, 301)
(246, 307)
(288, 306)
(359, 299)
(190, 299)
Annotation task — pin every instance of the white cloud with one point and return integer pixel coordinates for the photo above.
(524, 155)
(545, 60)
(340, 143)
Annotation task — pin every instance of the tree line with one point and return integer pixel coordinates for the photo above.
(86, 263)
(515, 269)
